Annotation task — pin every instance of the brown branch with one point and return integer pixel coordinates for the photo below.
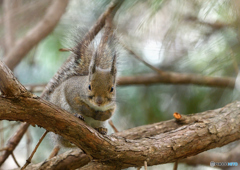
(145, 165)
(3, 149)
(112, 125)
(13, 142)
(54, 152)
(40, 31)
(175, 166)
(8, 84)
(10, 87)
(166, 78)
(184, 119)
(15, 160)
(140, 59)
(177, 78)
(159, 148)
(215, 25)
(28, 161)
(69, 160)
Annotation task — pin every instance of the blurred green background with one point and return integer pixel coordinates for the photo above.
(199, 37)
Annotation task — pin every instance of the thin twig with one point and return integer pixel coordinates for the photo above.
(216, 25)
(145, 165)
(1, 135)
(13, 142)
(28, 161)
(112, 125)
(29, 141)
(54, 151)
(3, 149)
(15, 160)
(175, 167)
(235, 63)
(184, 119)
(143, 61)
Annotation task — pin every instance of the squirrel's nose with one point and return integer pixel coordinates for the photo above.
(99, 100)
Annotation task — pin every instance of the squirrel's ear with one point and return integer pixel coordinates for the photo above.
(92, 67)
(113, 68)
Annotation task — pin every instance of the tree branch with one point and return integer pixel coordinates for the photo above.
(213, 129)
(40, 31)
(177, 78)
(69, 160)
(167, 142)
(13, 142)
(9, 86)
(165, 78)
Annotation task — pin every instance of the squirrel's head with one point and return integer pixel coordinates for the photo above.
(102, 83)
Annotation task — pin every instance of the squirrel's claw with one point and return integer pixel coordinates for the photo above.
(102, 130)
(79, 116)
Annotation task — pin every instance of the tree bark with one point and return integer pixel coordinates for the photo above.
(211, 129)
(158, 143)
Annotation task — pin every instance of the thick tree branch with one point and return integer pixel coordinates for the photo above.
(218, 129)
(8, 84)
(40, 31)
(164, 143)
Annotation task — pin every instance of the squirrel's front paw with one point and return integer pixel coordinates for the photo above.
(79, 116)
(102, 130)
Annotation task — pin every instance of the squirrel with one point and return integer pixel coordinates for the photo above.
(86, 84)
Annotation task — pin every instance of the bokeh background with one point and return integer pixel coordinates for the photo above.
(198, 37)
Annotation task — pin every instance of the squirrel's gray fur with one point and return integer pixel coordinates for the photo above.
(86, 83)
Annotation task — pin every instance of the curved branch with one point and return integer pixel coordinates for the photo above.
(218, 129)
(34, 36)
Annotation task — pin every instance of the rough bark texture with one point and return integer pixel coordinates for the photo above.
(8, 85)
(158, 143)
(213, 129)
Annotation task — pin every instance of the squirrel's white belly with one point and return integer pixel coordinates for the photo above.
(101, 108)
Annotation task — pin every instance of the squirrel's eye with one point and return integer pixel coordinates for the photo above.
(111, 90)
(89, 87)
